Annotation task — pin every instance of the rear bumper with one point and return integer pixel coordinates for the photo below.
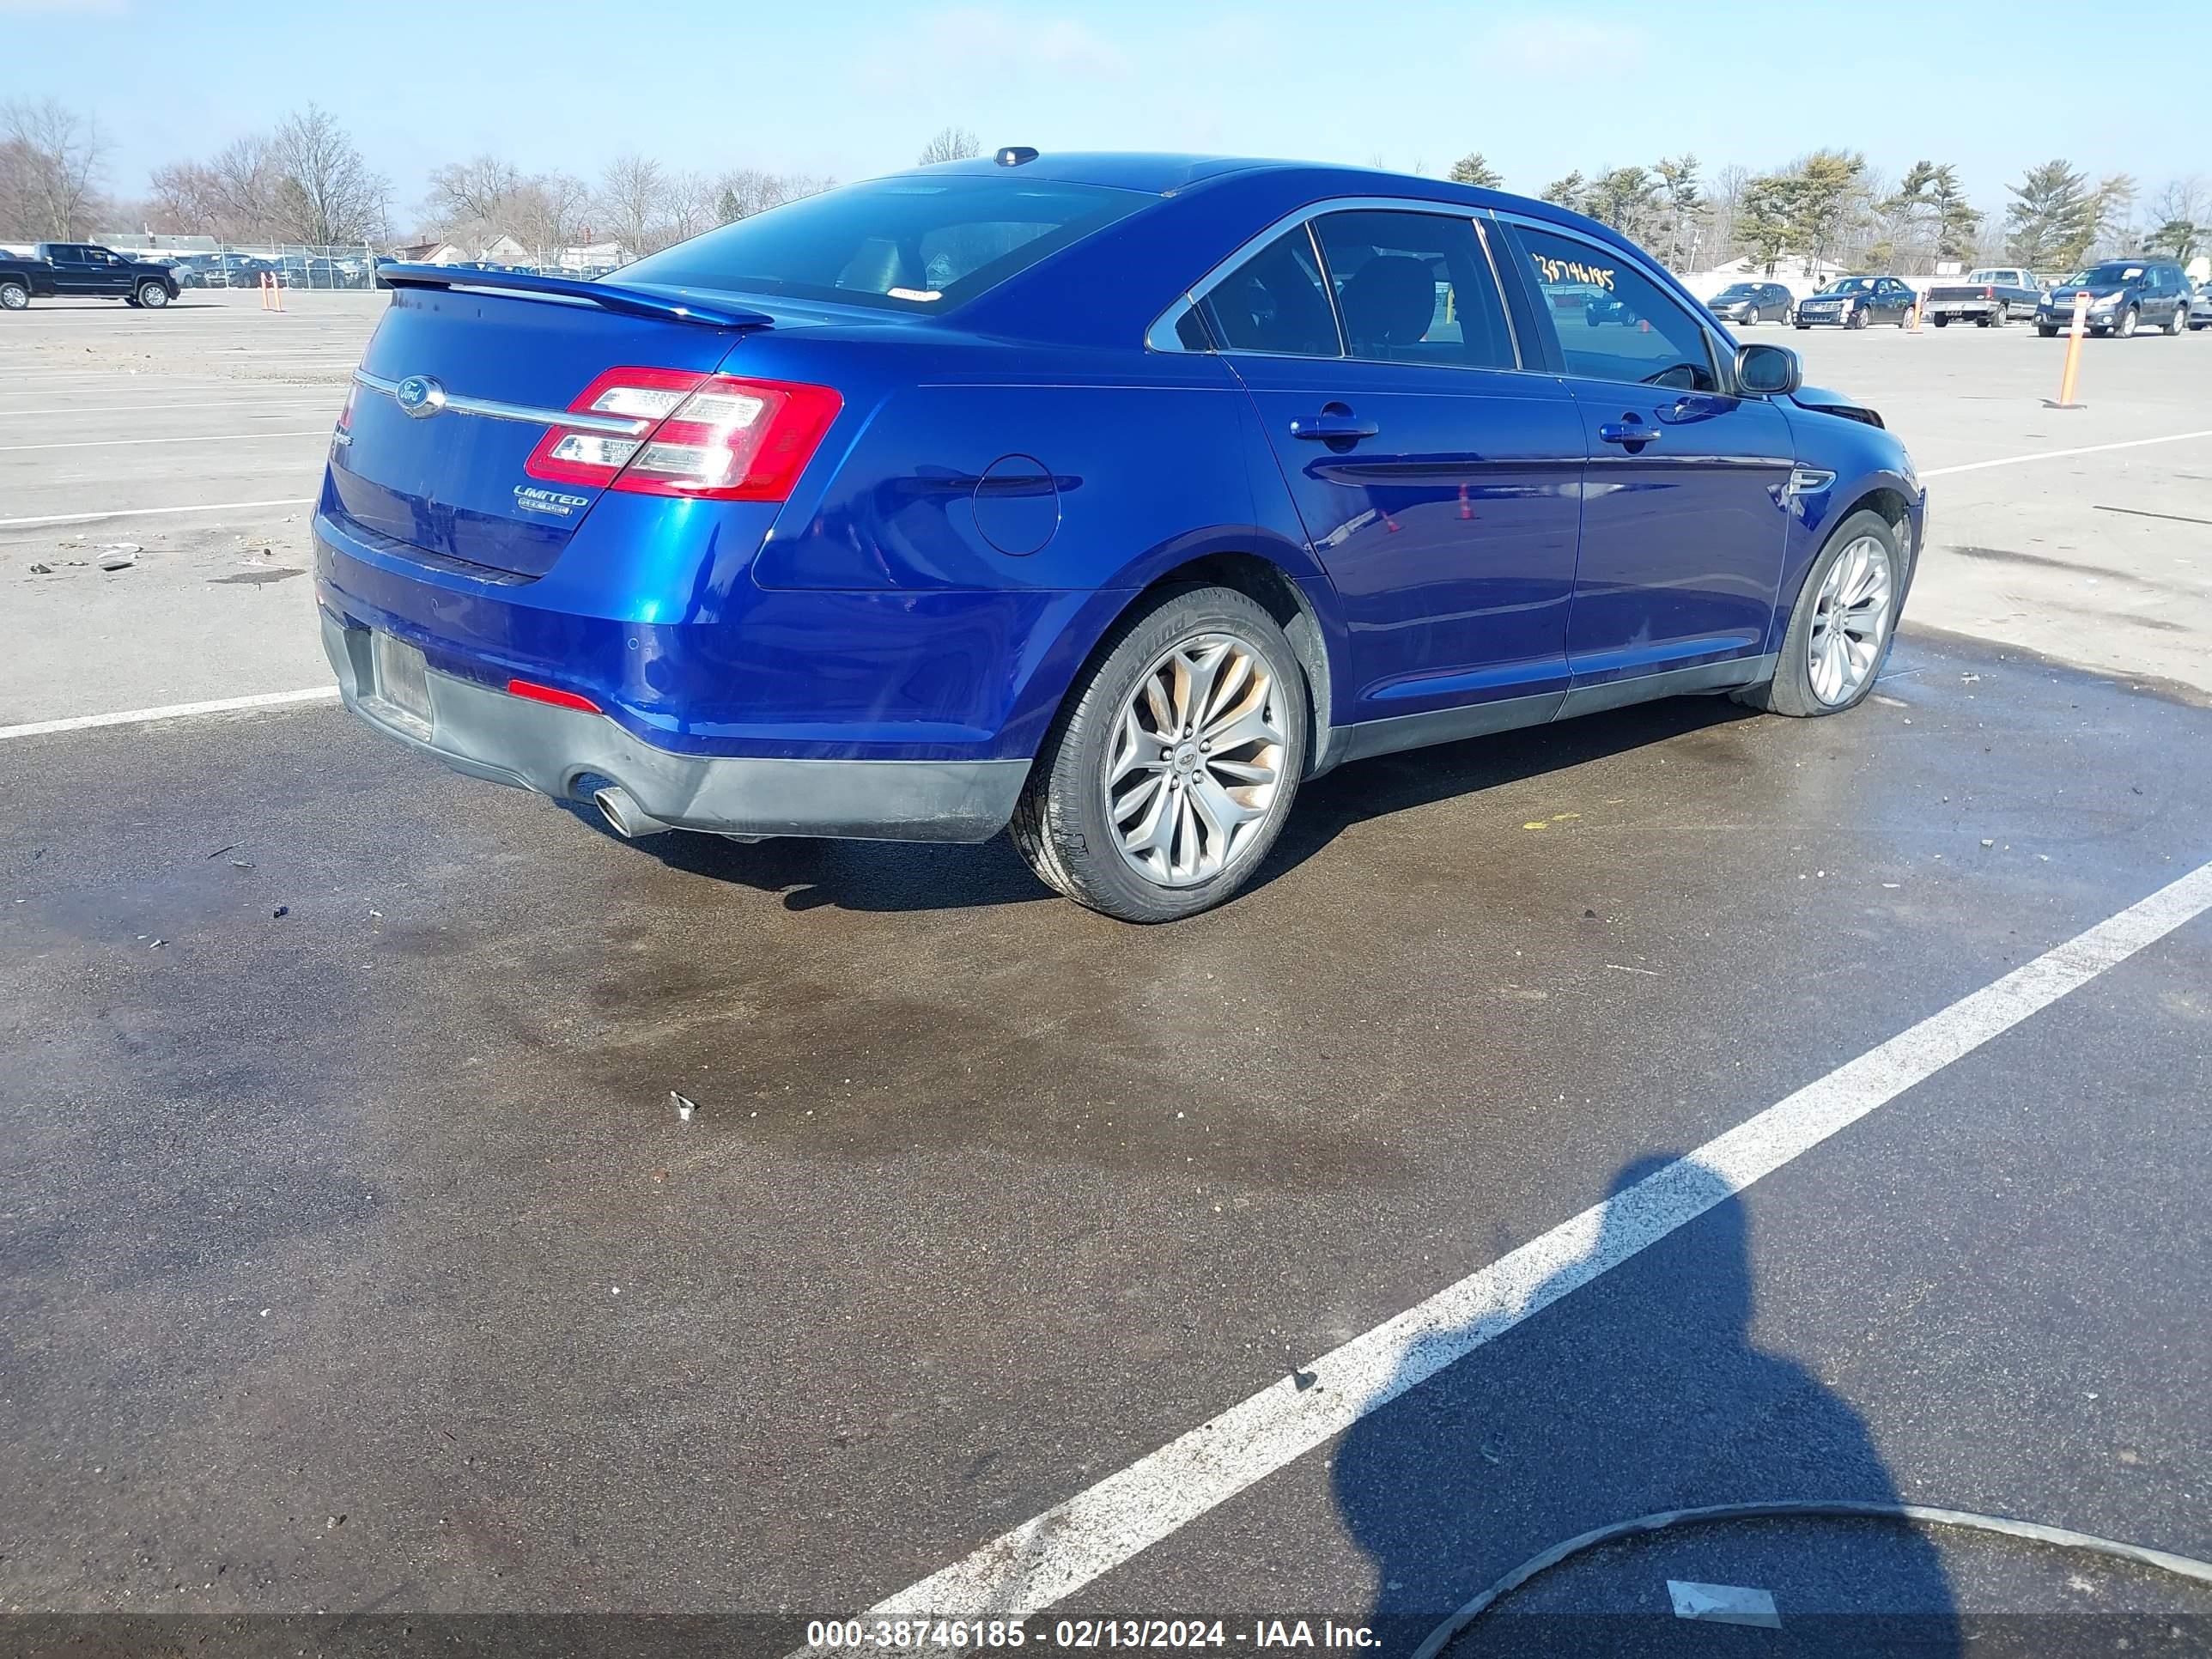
(481, 731)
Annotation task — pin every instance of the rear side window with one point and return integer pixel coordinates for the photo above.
(910, 244)
(1614, 323)
(1275, 301)
(1414, 288)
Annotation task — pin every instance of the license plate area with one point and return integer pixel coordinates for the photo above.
(402, 691)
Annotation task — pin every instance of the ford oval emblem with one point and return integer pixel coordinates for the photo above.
(420, 395)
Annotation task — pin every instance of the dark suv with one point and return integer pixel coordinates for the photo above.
(2123, 293)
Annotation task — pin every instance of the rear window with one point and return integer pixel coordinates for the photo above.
(910, 244)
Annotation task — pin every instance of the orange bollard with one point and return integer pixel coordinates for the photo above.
(2073, 355)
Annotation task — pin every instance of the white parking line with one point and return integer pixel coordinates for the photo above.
(2059, 455)
(175, 711)
(1068, 1547)
(194, 438)
(150, 512)
(244, 402)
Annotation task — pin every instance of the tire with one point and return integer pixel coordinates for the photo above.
(1797, 688)
(152, 295)
(2178, 322)
(1941, 322)
(2123, 325)
(2001, 316)
(1858, 318)
(1804, 325)
(2048, 331)
(14, 295)
(1065, 824)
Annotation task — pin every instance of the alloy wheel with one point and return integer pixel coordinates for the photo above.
(1850, 622)
(1197, 760)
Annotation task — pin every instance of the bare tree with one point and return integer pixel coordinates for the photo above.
(482, 200)
(51, 162)
(633, 202)
(743, 191)
(951, 144)
(325, 192)
(233, 195)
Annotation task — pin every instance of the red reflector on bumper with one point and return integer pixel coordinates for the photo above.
(553, 694)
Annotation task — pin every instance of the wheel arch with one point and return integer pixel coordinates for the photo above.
(1302, 605)
(1882, 493)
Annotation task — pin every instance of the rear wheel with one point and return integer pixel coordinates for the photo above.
(1941, 322)
(2048, 331)
(15, 293)
(1840, 631)
(2179, 321)
(153, 295)
(1171, 769)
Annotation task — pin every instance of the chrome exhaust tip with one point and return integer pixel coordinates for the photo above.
(624, 815)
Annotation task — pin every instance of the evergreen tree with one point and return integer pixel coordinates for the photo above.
(1567, 192)
(1473, 168)
(2052, 217)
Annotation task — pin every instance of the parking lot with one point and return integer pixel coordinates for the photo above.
(359, 1262)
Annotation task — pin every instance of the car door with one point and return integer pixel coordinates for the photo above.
(1684, 515)
(72, 268)
(1437, 485)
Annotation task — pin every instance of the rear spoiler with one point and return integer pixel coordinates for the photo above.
(629, 302)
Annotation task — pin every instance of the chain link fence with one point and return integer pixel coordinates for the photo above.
(203, 262)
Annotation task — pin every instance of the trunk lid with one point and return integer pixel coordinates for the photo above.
(451, 480)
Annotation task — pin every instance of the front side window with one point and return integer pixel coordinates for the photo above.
(1614, 322)
(1275, 301)
(1414, 288)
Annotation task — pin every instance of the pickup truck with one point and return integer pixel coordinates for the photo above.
(82, 270)
(1992, 297)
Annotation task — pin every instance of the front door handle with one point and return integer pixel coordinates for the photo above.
(1631, 435)
(1336, 423)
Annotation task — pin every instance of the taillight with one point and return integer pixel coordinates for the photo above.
(344, 431)
(1988, 294)
(713, 437)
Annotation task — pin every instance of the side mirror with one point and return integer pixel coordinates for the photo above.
(1768, 371)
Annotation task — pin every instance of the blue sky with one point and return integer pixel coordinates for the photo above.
(855, 87)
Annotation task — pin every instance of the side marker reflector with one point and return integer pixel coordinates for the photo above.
(553, 694)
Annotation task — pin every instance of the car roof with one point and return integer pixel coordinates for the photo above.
(1169, 173)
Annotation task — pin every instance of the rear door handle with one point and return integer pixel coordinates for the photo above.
(1631, 434)
(1335, 422)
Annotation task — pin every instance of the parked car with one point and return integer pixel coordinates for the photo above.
(193, 270)
(1855, 301)
(1101, 499)
(238, 270)
(2200, 306)
(1744, 303)
(2123, 293)
(83, 270)
(1991, 297)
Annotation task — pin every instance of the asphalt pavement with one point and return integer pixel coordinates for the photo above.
(359, 1258)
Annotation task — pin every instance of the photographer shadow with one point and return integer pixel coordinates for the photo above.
(1642, 1391)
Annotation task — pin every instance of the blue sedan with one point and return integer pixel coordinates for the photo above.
(1101, 499)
